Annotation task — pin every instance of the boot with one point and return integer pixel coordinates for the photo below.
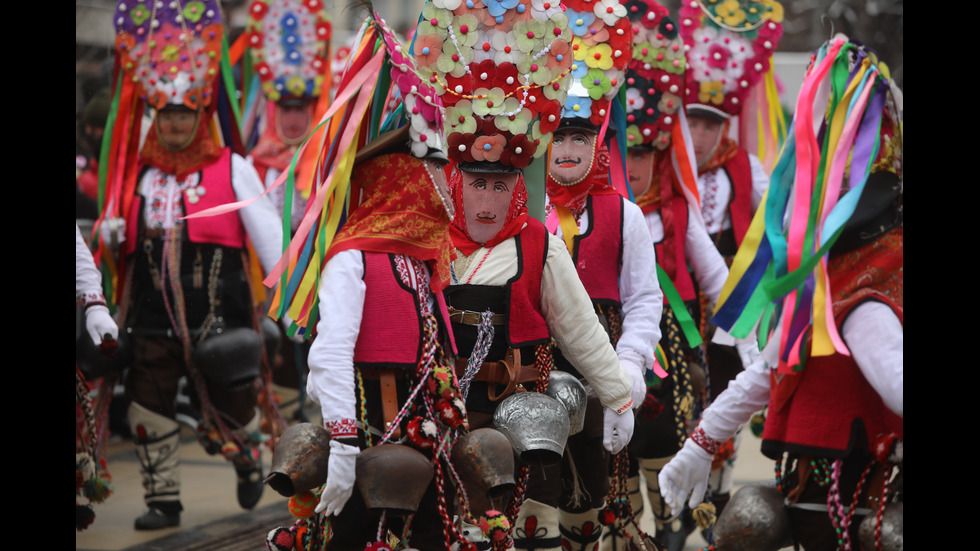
(248, 467)
(157, 440)
(579, 531)
(536, 527)
(612, 538)
(670, 530)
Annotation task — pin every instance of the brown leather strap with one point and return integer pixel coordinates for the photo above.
(508, 371)
(389, 400)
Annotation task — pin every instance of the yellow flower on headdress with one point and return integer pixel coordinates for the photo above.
(772, 11)
(711, 92)
(730, 12)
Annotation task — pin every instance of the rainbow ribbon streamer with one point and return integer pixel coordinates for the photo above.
(780, 271)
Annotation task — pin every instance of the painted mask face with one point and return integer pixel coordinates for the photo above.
(176, 127)
(705, 135)
(294, 121)
(486, 201)
(572, 155)
(639, 162)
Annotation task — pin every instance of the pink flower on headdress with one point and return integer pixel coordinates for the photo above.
(428, 48)
(560, 57)
(718, 56)
(489, 148)
(597, 34)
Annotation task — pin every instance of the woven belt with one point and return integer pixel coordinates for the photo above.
(469, 317)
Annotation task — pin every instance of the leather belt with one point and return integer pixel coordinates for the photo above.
(508, 371)
(469, 317)
(389, 393)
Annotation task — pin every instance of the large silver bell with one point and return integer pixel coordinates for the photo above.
(755, 519)
(567, 389)
(892, 519)
(536, 425)
(299, 462)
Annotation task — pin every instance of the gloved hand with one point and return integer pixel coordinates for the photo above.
(686, 473)
(635, 371)
(748, 352)
(285, 321)
(617, 430)
(340, 478)
(113, 232)
(98, 322)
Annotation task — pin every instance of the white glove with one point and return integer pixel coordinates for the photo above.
(748, 352)
(340, 478)
(617, 430)
(686, 473)
(285, 321)
(98, 322)
(635, 371)
(113, 232)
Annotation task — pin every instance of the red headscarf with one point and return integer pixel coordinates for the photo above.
(516, 215)
(402, 214)
(271, 150)
(201, 152)
(596, 182)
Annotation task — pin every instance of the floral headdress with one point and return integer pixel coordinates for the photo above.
(602, 47)
(502, 69)
(172, 50)
(729, 47)
(655, 76)
(289, 41)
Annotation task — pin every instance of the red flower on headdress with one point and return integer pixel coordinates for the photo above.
(506, 79)
(519, 153)
(258, 9)
(461, 147)
(550, 116)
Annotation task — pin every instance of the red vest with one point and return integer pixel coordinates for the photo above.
(525, 323)
(224, 229)
(832, 411)
(391, 324)
(672, 251)
(739, 171)
(598, 253)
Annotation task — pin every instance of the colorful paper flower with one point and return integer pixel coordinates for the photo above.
(544, 9)
(610, 11)
(577, 106)
(711, 92)
(428, 49)
(579, 22)
(597, 83)
(460, 117)
(489, 148)
(487, 101)
(730, 12)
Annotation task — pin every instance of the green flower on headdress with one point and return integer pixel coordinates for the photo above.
(633, 136)
(530, 35)
(488, 101)
(460, 117)
(193, 11)
(538, 73)
(466, 30)
(516, 123)
(597, 83)
(139, 14)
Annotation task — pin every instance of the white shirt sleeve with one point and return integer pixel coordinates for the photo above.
(261, 220)
(88, 278)
(709, 266)
(331, 360)
(573, 323)
(876, 340)
(639, 291)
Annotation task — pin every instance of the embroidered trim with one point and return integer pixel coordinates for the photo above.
(90, 299)
(341, 428)
(628, 406)
(702, 439)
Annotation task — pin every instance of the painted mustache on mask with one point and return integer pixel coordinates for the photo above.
(486, 218)
(568, 161)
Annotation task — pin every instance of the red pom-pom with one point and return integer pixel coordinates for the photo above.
(377, 546)
(495, 525)
(303, 504)
(607, 516)
(280, 539)
(888, 449)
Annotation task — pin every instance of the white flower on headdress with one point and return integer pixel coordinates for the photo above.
(505, 48)
(634, 100)
(610, 11)
(447, 4)
(544, 9)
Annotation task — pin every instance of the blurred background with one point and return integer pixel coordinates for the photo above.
(879, 24)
